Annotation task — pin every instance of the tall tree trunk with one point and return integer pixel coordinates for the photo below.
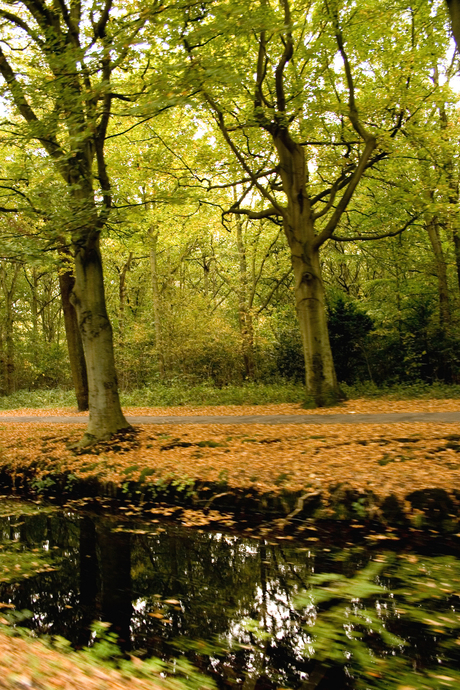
(456, 238)
(156, 305)
(88, 298)
(8, 355)
(122, 293)
(454, 14)
(320, 376)
(74, 341)
(34, 286)
(244, 311)
(310, 301)
(441, 273)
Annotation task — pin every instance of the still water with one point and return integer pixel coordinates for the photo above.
(342, 609)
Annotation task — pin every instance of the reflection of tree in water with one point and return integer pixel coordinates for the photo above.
(213, 583)
(115, 577)
(221, 581)
(92, 580)
(227, 602)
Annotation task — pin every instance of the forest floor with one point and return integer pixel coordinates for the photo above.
(380, 460)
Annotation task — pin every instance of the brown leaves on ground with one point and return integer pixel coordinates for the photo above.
(29, 665)
(385, 458)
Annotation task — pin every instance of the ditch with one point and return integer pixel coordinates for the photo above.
(345, 608)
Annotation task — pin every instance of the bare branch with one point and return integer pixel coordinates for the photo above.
(49, 143)
(73, 28)
(329, 203)
(274, 289)
(221, 124)
(328, 143)
(43, 16)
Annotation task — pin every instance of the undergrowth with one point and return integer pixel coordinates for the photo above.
(402, 391)
(181, 393)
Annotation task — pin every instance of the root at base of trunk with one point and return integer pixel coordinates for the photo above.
(90, 443)
(326, 398)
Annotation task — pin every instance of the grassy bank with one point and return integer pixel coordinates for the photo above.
(179, 393)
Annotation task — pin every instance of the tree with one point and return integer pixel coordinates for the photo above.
(66, 100)
(316, 116)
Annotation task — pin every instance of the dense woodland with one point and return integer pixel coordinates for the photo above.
(273, 188)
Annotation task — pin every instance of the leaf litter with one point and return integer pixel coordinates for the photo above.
(386, 459)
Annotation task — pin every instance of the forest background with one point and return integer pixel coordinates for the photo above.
(195, 116)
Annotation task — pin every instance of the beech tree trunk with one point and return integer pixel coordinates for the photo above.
(156, 305)
(244, 310)
(320, 376)
(123, 293)
(88, 297)
(321, 380)
(441, 273)
(8, 353)
(74, 341)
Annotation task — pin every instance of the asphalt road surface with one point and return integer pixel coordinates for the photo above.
(350, 418)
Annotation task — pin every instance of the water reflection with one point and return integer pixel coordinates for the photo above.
(248, 612)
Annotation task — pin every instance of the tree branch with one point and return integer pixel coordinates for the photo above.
(100, 27)
(22, 25)
(357, 238)
(286, 56)
(254, 215)
(49, 143)
(273, 290)
(221, 124)
(349, 191)
(353, 110)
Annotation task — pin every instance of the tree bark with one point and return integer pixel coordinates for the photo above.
(122, 293)
(441, 273)
(74, 341)
(454, 13)
(320, 377)
(88, 297)
(8, 354)
(156, 305)
(321, 380)
(244, 311)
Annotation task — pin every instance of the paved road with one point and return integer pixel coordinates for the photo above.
(387, 418)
